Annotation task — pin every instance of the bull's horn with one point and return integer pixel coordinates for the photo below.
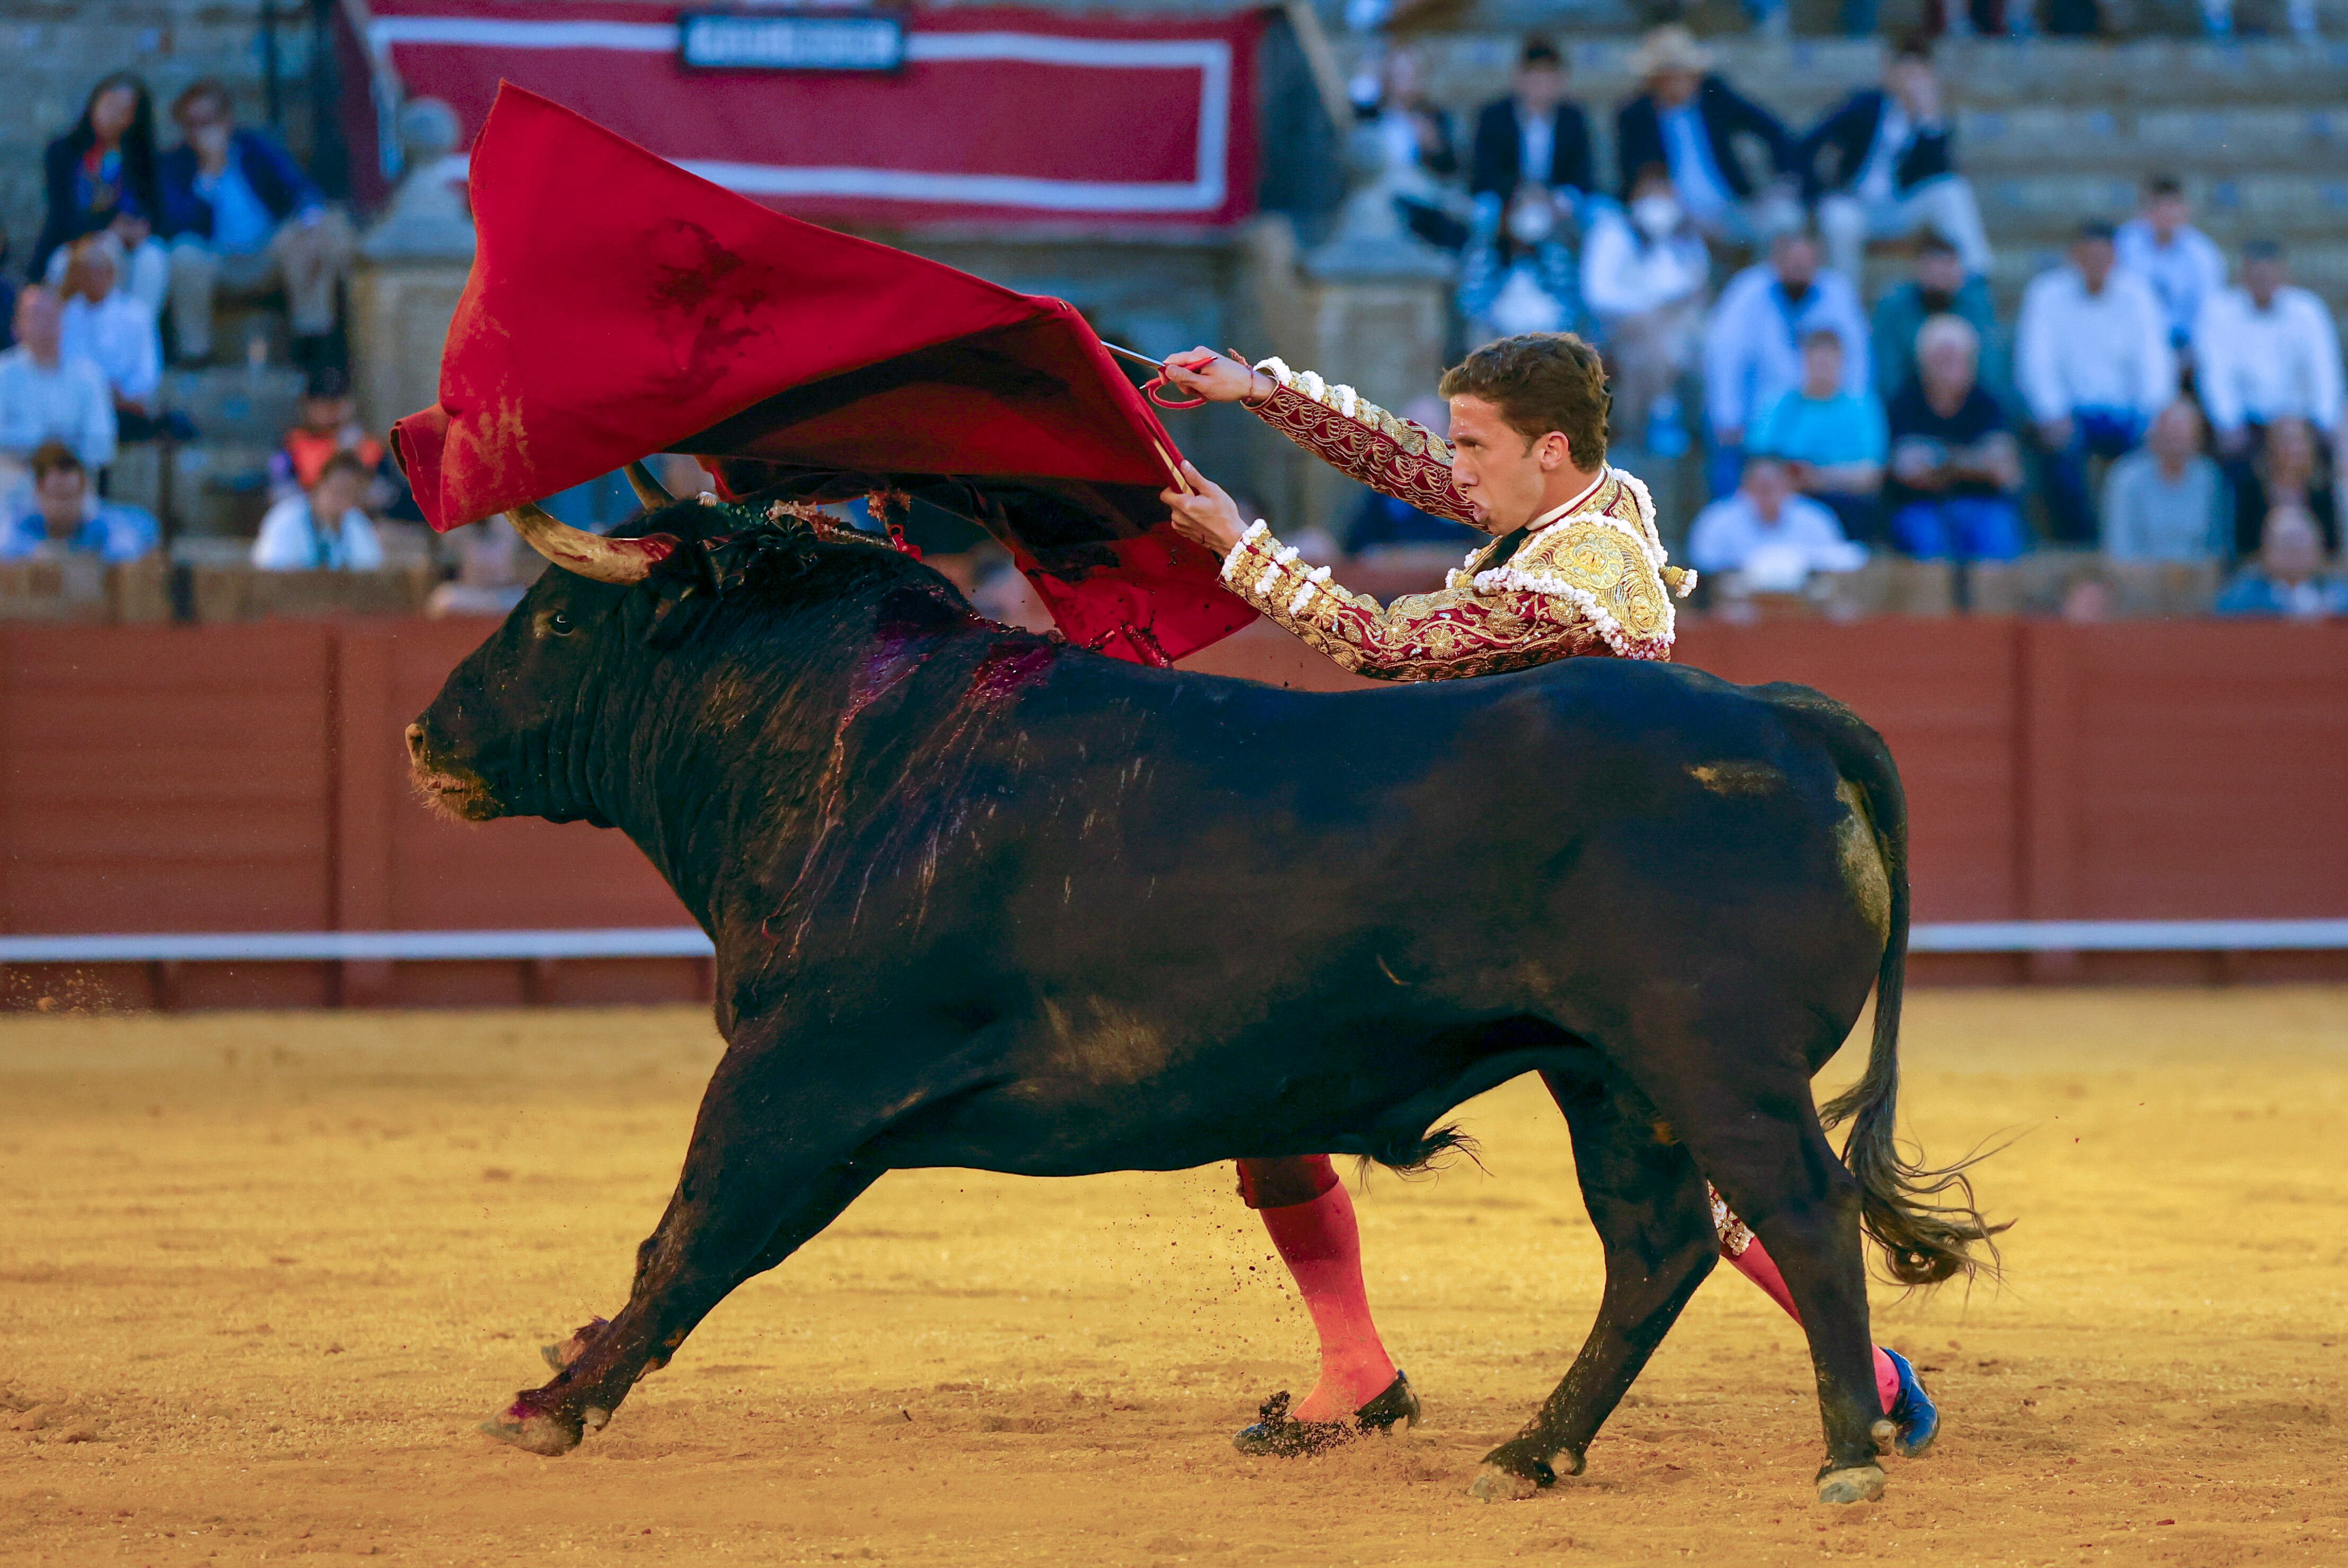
(650, 492)
(616, 560)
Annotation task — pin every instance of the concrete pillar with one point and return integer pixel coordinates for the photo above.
(411, 272)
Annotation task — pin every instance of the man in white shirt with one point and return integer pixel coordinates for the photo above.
(2183, 264)
(47, 397)
(2266, 351)
(115, 330)
(325, 531)
(1772, 538)
(2094, 365)
(1753, 342)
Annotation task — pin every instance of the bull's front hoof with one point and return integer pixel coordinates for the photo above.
(1513, 1471)
(534, 1430)
(1494, 1485)
(1860, 1483)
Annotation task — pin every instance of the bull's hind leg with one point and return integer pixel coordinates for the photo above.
(1763, 1148)
(1647, 1200)
(754, 1187)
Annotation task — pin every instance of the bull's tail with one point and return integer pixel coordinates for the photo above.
(1924, 1217)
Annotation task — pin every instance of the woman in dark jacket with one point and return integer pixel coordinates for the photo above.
(101, 174)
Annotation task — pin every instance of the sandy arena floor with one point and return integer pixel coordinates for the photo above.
(263, 1273)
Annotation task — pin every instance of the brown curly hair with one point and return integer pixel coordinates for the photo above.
(1541, 381)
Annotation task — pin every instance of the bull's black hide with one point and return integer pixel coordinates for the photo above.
(981, 899)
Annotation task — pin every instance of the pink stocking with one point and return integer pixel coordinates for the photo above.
(1321, 1243)
(1755, 1265)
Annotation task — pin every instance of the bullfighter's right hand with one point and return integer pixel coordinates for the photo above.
(1217, 378)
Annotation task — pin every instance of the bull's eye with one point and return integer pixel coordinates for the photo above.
(557, 624)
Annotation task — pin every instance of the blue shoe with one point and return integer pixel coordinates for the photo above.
(1918, 1418)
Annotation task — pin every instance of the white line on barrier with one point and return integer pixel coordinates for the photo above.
(686, 941)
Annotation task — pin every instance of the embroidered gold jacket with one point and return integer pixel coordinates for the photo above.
(1589, 577)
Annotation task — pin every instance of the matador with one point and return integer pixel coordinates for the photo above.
(1575, 568)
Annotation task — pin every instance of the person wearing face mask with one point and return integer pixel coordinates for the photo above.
(1938, 285)
(242, 216)
(1753, 342)
(1646, 276)
(1521, 278)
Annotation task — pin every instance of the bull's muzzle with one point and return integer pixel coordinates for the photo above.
(455, 791)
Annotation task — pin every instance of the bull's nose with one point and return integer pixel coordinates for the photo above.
(416, 743)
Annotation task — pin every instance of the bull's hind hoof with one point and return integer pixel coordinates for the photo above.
(534, 1430)
(1860, 1483)
(1494, 1485)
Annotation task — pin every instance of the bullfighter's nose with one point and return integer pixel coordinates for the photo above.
(416, 743)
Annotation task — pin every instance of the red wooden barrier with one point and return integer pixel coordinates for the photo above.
(254, 778)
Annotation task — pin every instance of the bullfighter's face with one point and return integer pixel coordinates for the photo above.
(1505, 476)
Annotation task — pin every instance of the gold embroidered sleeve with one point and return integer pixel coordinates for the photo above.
(1445, 635)
(1392, 455)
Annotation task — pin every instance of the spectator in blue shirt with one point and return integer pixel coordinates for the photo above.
(242, 216)
(102, 175)
(1753, 342)
(2288, 577)
(1833, 440)
(59, 516)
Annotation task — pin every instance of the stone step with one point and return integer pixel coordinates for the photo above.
(237, 403)
(1801, 77)
(220, 488)
(2131, 143)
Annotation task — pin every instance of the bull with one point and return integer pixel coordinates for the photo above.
(984, 899)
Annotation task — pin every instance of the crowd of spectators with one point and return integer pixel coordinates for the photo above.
(2153, 398)
(2140, 403)
(138, 238)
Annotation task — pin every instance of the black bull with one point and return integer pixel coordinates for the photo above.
(981, 899)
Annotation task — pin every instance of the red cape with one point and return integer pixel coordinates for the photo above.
(620, 306)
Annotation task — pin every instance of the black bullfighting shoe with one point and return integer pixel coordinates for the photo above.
(1281, 1436)
(1918, 1418)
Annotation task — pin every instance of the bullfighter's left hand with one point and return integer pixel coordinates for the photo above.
(1208, 515)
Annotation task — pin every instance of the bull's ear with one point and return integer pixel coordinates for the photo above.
(674, 599)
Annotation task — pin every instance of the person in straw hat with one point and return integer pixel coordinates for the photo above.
(1688, 119)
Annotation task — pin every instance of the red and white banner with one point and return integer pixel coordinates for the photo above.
(997, 114)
